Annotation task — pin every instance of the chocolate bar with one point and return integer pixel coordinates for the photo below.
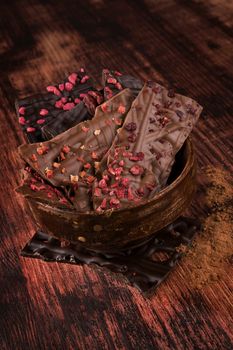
(36, 112)
(114, 81)
(71, 158)
(36, 187)
(140, 160)
(145, 265)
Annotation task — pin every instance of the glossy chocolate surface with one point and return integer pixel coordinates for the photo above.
(145, 265)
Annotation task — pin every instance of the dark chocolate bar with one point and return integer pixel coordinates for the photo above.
(114, 81)
(145, 265)
(72, 157)
(140, 159)
(36, 112)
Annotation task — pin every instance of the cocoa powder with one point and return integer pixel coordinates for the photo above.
(211, 254)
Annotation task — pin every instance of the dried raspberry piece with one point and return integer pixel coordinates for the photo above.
(85, 129)
(22, 110)
(97, 192)
(61, 87)
(130, 126)
(118, 86)
(111, 81)
(54, 90)
(120, 193)
(62, 156)
(136, 170)
(30, 129)
(59, 104)
(114, 203)
(68, 106)
(87, 166)
(121, 109)
(104, 107)
(48, 172)
(68, 86)
(66, 149)
(40, 121)
(80, 159)
(72, 78)
(118, 171)
(111, 170)
(84, 79)
(33, 157)
(121, 162)
(125, 181)
(103, 205)
(90, 179)
(77, 100)
(132, 137)
(22, 121)
(117, 73)
(44, 112)
(42, 149)
(102, 183)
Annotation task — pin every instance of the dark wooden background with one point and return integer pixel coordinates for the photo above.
(186, 44)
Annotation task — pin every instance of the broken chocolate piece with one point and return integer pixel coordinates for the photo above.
(35, 187)
(139, 162)
(114, 81)
(36, 112)
(77, 150)
(145, 265)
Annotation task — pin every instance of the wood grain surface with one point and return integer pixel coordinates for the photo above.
(186, 44)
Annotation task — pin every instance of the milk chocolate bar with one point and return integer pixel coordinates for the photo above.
(141, 265)
(35, 187)
(114, 81)
(36, 112)
(140, 160)
(71, 158)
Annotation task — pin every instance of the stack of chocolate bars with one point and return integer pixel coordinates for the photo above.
(102, 150)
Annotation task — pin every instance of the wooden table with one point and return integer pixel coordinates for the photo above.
(187, 44)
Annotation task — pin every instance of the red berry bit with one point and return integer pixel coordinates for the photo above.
(40, 121)
(42, 149)
(68, 106)
(102, 183)
(97, 192)
(30, 129)
(114, 203)
(111, 81)
(22, 121)
(22, 110)
(118, 86)
(136, 170)
(121, 109)
(59, 104)
(61, 87)
(84, 79)
(73, 78)
(33, 157)
(131, 126)
(54, 90)
(66, 149)
(44, 112)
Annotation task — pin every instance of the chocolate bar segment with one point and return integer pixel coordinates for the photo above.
(140, 160)
(142, 265)
(36, 112)
(35, 187)
(115, 81)
(71, 158)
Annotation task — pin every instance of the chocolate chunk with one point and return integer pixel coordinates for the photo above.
(78, 150)
(114, 81)
(36, 112)
(145, 265)
(140, 160)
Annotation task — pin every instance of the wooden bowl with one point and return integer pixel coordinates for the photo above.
(115, 230)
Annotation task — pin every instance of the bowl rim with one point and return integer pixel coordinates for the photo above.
(190, 160)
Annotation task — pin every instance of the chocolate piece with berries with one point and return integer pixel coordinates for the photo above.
(140, 160)
(35, 112)
(34, 186)
(115, 81)
(71, 158)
